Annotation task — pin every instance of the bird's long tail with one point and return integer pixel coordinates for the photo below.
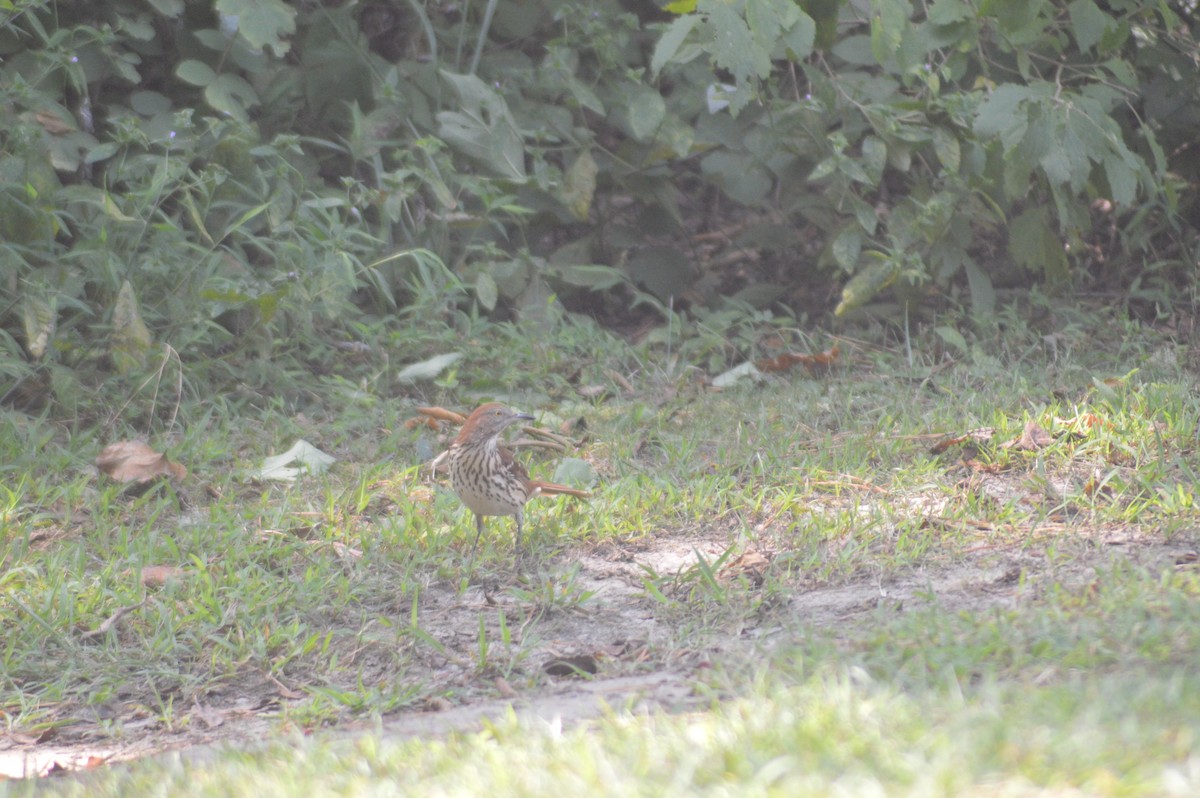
(540, 488)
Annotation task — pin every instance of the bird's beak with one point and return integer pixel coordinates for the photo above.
(524, 417)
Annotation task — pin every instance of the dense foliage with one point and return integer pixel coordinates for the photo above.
(244, 175)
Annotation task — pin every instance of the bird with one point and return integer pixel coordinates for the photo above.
(486, 476)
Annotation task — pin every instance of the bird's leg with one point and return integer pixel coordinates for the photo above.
(518, 517)
(478, 534)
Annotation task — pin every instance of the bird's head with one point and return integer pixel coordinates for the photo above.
(490, 420)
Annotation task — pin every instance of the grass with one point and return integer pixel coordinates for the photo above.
(988, 619)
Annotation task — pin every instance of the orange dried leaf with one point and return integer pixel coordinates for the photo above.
(134, 461)
(816, 364)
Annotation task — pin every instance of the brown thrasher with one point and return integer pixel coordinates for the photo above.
(486, 476)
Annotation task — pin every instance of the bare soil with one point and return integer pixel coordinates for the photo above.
(641, 662)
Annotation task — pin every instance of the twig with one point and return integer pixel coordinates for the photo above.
(111, 620)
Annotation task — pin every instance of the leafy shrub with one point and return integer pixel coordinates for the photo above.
(241, 176)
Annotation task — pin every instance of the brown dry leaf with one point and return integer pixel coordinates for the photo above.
(159, 575)
(134, 461)
(52, 123)
(1032, 438)
(977, 435)
(816, 364)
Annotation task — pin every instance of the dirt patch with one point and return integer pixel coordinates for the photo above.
(601, 613)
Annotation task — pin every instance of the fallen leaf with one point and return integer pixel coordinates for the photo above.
(134, 461)
(303, 456)
(735, 374)
(816, 364)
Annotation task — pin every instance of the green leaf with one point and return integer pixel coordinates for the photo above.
(574, 471)
(866, 285)
(262, 23)
(231, 95)
(646, 113)
(953, 337)
(948, 12)
(983, 293)
(1033, 245)
(889, 21)
(739, 175)
(824, 169)
(195, 72)
(874, 158)
(663, 271)
(865, 214)
(483, 128)
(1122, 179)
(846, 248)
(999, 111)
(800, 37)
(947, 149)
(585, 96)
(1089, 23)
(40, 317)
(593, 276)
(129, 340)
(669, 43)
(579, 186)
(486, 291)
(168, 8)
